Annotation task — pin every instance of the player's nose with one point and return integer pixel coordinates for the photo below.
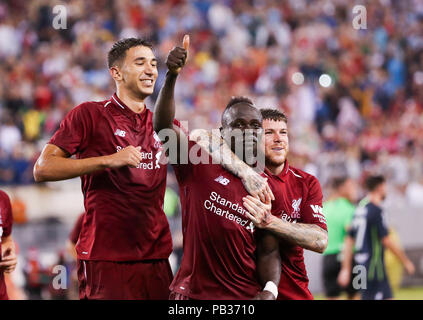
(277, 137)
(149, 70)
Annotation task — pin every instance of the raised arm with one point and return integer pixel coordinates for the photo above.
(54, 163)
(222, 154)
(307, 236)
(164, 109)
(268, 265)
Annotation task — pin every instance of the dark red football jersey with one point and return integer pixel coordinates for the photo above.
(301, 201)
(219, 259)
(6, 221)
(124, 219)
(74, 234)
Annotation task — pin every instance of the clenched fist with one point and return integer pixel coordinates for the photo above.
(129, 156)
(177, 57)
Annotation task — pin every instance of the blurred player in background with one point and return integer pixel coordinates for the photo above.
(369, 237)
(224, 256)
(125, 241)
(8, 259)
(300, 222)
(338, 211)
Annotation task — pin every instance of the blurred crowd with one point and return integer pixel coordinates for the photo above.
(366, 116)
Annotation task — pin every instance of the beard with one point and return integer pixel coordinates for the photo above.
(274, 163)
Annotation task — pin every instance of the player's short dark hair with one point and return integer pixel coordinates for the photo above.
(373, 181)
(118, 51)
(338, 181)
(274, 114)
(235, 100)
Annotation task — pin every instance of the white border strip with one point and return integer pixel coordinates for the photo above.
(118, 103)
(295, 174)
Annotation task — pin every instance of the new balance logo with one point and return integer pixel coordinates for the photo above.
(222, 180)
(120, 133)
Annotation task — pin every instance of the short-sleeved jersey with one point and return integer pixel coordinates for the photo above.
(368, 229)
(219, 259)
(6, 222)
(301, 202)
(124, 219)
(76, 230)
(338, 213)
(6, 218)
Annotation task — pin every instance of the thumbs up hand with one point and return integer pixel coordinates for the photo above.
(178, 56)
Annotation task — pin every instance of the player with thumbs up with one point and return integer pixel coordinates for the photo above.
(224, 256)
(178, 57)
(125, 241)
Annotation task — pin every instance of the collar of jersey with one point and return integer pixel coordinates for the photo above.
(124, 108)
(280, 176)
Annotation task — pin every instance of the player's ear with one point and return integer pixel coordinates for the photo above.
(115, 73)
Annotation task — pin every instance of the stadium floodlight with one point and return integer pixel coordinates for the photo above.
(297, 78)
(325, 80)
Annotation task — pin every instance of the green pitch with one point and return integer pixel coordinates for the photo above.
(411, 293)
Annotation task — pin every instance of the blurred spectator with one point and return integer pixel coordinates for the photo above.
(274, 52)
(34, 275)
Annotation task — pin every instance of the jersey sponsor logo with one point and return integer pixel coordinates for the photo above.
(120, 133)
(215, 198)
(316, 208)
(361, 258)
(222, 180)
(318, 213)
(153, 164)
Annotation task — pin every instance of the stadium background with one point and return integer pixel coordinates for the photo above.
(365, 116)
